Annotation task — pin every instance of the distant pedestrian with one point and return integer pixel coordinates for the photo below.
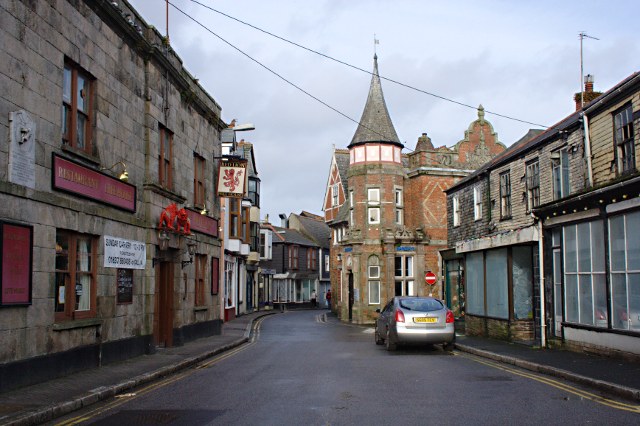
(313, 298)
(329, 298)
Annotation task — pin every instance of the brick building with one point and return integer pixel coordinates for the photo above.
(387, 210)
(545, 232)
(105, 130)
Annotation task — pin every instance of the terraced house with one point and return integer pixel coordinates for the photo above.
(109, 244)
(547, 232)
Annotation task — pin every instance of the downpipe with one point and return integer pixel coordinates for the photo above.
(543, 313)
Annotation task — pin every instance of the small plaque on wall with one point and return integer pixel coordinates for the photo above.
(125, 286)
(16, 241)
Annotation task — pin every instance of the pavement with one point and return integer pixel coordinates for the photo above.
(44, 402)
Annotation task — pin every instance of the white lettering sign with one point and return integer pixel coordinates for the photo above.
(124, 254)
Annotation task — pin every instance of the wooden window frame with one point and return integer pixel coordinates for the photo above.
(293, 257)
(200, 261)
(456, 209)
(199, 181)
(532, 173)
(165, 172)
(624, 139)
(70, 108)
(235, 218)
(70, 276)
(505, 195)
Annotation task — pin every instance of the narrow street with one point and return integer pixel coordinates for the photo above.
(305, 367)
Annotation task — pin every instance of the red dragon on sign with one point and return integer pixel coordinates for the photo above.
(232, 179)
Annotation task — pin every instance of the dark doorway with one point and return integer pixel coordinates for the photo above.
(164, 307)
(351, 298)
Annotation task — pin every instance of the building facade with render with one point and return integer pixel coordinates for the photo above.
(107, 163)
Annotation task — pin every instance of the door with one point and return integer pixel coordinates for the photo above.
(164, 308)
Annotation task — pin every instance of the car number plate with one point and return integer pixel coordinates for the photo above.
(429, 320)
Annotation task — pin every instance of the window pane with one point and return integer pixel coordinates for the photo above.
(600, 300)
(408, 271)
(475, 283)
(398, 266)
(80, 136)
(497, 289)
(616, 243)
(570, 263)
(522, 283)
(586, 300)
(374, 292)
(584, 247)
(571, 297)
(82, 94)
(66, 85)
(633, 242)
(597, 246)
(619, 300)
(634, 301)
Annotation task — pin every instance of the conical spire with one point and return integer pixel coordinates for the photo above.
(375, 124)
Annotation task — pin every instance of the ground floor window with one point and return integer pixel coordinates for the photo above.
(488, 274)
(404, 278)
(374, 292)
(75, 280)
(624, 246)
(585, 293)
(229, 277)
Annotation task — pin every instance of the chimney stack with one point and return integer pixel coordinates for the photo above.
(588, 95)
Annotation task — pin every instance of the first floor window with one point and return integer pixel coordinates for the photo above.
(533, 185)
(625, 141)
(75, 295)
(560, 174)
(374, 215)
(505, 195)
(77, 107)
(456, 210)
(477, 203)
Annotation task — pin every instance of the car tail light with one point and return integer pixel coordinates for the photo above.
(399, 316)
(450, 317)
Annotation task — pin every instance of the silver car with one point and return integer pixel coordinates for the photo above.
(415, 320)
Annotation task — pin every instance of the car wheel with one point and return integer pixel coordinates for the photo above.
(391, 346)
(448, 347)
(379, 340)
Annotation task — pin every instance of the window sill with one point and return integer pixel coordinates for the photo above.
(68, 149)
(165, 192)
(73, 324)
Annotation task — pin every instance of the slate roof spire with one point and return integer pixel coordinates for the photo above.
(375, 124)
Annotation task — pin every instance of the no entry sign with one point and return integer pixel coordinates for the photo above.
(430, 278)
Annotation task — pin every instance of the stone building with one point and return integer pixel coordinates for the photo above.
(545, 232)
(107, 133)
(387, 210)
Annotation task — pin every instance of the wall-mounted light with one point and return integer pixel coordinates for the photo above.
(124, 176)
(163, 244)
(191, 249)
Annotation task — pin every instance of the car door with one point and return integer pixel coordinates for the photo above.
(382, 323)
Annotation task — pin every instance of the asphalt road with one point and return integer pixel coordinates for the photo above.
(303, 368)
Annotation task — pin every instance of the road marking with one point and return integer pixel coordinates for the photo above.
(124, 398)
(634, 408)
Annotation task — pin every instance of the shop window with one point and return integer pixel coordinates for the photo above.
(75, 291)
(77, 107)
(522, 282)
(584, 274)
(229, 296)
(625, 271)
(475, 283)
(497, 288)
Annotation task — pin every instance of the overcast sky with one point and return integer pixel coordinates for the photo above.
(517, 58)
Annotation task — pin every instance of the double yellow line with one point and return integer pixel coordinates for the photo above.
(634, 408)
(124, 398)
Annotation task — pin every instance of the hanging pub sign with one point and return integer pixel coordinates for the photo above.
(16, 243)
(232, 176)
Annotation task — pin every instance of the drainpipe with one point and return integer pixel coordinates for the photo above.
(587, 148)
(543, 313)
